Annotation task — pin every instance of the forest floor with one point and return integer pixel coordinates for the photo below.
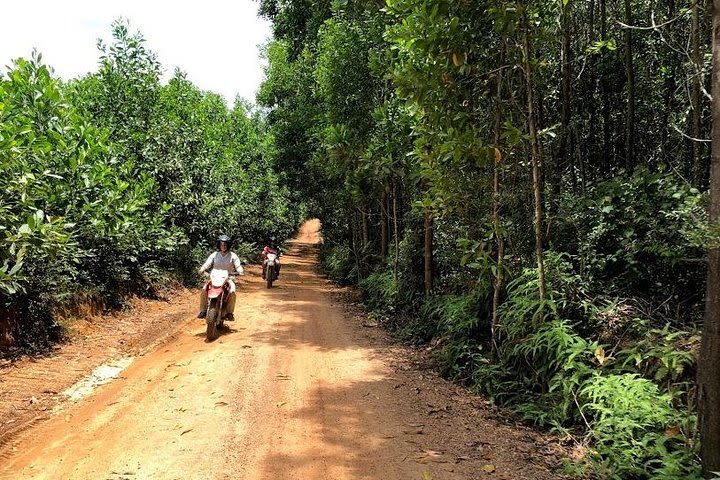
(301, 386)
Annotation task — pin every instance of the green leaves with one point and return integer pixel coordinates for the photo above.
(105, 179)
(600, 45)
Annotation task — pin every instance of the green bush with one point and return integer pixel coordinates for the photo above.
(114, 184)
(637, 233)
(74, 217)
(462, 329)
(380, 292)
(336, 261)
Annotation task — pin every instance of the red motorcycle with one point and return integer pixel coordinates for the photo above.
(270, 268)
(218, 290)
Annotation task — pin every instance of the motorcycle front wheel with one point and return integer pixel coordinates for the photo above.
(211, 320)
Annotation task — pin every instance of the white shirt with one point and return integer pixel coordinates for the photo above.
(223, 261)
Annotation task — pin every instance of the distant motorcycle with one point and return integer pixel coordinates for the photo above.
(218, 290)
(271, 269)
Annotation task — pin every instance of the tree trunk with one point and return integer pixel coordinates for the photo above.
(384, 222)
(605, 94)
(355, 232)
(395, 233)
(535, 155)
(365, 228)
(708, 373)
(564, 154)
(630, 71)
(428, 251)
(670, 86)
(589, 141)
(696, 96)
(500, 243)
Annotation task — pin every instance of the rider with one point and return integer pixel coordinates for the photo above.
(223, 259)
(271, 247)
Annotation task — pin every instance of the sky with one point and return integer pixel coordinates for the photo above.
(214, 41)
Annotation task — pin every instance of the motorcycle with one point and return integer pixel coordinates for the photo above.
(271, 269)
(218, 290)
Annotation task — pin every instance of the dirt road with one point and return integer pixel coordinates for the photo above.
(297, 389)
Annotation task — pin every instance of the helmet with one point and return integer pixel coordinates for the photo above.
(226, 239)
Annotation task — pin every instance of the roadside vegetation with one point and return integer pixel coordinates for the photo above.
(115, 184)
(522, 185)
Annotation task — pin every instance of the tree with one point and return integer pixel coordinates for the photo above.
(708, 376)
(535, 160)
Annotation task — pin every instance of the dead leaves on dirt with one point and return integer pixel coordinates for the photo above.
(431, 456)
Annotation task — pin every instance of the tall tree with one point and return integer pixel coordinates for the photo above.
(564, 153)
(708, 373)
(630, 72)
(695, 93)
(605, 89)
(499, 234)
(534, 148)
(428, 250)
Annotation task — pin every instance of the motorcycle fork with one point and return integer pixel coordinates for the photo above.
(217, 302)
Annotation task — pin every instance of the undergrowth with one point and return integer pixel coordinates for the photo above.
(587, 367)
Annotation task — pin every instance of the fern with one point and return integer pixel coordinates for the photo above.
(636, 430)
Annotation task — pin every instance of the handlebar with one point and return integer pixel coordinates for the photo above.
(234, 274)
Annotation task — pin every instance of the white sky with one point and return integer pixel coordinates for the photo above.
(214, 41)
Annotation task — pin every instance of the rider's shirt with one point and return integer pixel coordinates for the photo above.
(269, 249)
(223, 261)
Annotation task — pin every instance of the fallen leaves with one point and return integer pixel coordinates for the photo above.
(431, 456)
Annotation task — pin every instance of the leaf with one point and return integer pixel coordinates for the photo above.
(498, 155)
(432, 456)
(488, 468)
(18, 265)
(600, 355)
(457, 60)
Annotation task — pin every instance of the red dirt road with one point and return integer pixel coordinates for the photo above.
(297, 389)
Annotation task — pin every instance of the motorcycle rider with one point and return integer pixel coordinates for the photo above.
(271, 247)
(223, 259)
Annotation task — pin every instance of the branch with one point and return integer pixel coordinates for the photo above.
(689, 137)
(652, 27)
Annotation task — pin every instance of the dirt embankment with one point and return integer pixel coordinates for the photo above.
(296, 388)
